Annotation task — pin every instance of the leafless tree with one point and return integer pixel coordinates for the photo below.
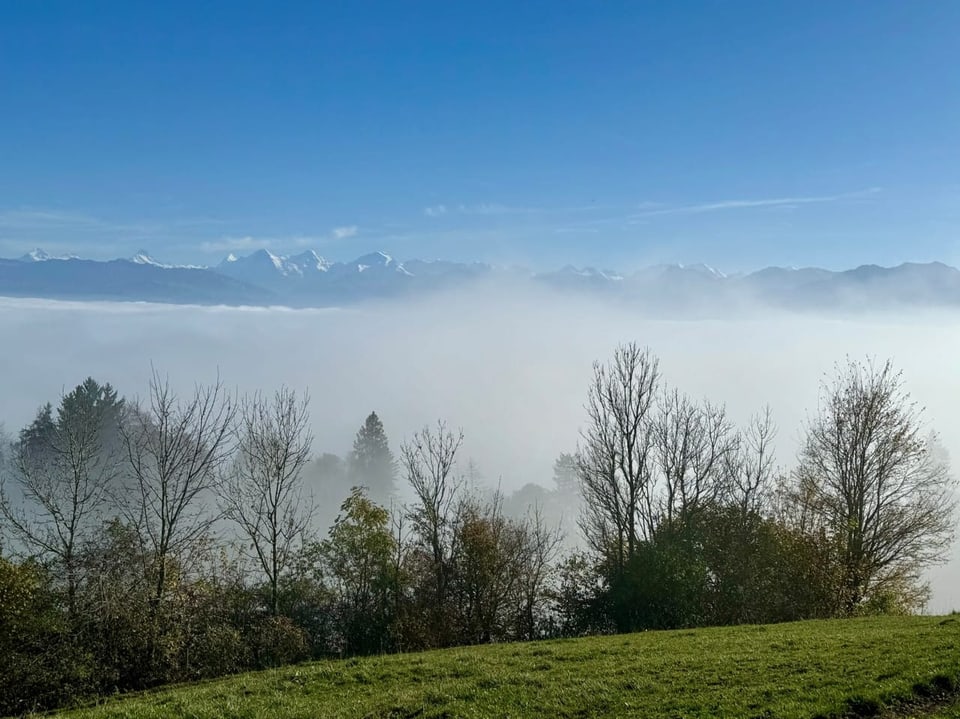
(873, 481)
(176, 448)
(615, 462)
(428, 461)
(692, 444)
(263, 490)
(750, 467)
(64, 467)
(399, 533)
(540, 548)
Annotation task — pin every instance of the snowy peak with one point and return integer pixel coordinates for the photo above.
(308, 261)
(376, 258)
(282, 264)
(261, 262)
(274, 271)
(35, 255)
(142, 257)
(267, 258)
(698, 270)
(375, 263)
(705, 270)
(591, 273)
(575, 278)
(39, 255)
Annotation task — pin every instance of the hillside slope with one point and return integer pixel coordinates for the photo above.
(804, 669)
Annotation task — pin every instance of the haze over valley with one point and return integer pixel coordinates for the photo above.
(422, 353)
(511, 368)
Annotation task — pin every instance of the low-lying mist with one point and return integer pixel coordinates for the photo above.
(510, 368)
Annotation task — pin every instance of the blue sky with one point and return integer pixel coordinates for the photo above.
(614, 134)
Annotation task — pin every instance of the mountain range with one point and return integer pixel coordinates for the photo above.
(309, 280)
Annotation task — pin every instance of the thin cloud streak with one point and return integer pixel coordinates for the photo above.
(495, 209)
(482, 208)
(722, 205)
(59, 220)
(47, 219)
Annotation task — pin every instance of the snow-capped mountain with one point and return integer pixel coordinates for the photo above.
(309, 261)
(143, 257)
(38, 255)
(309, 280)
(308, 277)
(585, 279)
(139, 278)
(378, 263)
(269, 270)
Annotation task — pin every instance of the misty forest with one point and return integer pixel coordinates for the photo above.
(185, 534)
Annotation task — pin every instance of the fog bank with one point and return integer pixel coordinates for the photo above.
(511, 369)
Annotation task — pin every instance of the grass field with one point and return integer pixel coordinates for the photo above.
(805, 669)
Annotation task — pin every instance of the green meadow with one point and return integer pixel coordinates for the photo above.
(900, 666)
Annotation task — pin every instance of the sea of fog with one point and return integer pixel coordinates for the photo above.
(510, 369)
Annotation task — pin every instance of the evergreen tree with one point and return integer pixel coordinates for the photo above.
(65, 465)
(371, 463)
(36, 436)
(566, 477)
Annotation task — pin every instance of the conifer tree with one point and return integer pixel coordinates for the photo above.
(371, 463)
(65, 465)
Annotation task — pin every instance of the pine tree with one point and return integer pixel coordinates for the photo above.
(565, 475)
(371, 463)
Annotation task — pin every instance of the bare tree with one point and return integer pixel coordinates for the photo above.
(615, 459)
(428, 461)
(399, 533)
(692, 445)
(750, 465)
(874, 482)
(64, 467)
(175, 447)
(263, 491)
(540, 547)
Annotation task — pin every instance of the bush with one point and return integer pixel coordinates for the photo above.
(217, 649)
(275, 641)
(40, 665)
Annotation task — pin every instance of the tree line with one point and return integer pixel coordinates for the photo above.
(173, 537)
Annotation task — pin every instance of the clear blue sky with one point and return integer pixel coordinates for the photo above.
(740, 134)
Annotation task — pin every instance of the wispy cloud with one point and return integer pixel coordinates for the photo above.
(480, 208)
(722, 205)
(341, 233)
(36, 219)
(498, 209)
(39, 220)
(495, 208)
(576, 230)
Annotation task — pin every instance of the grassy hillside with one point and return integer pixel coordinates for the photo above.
(803, 669)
